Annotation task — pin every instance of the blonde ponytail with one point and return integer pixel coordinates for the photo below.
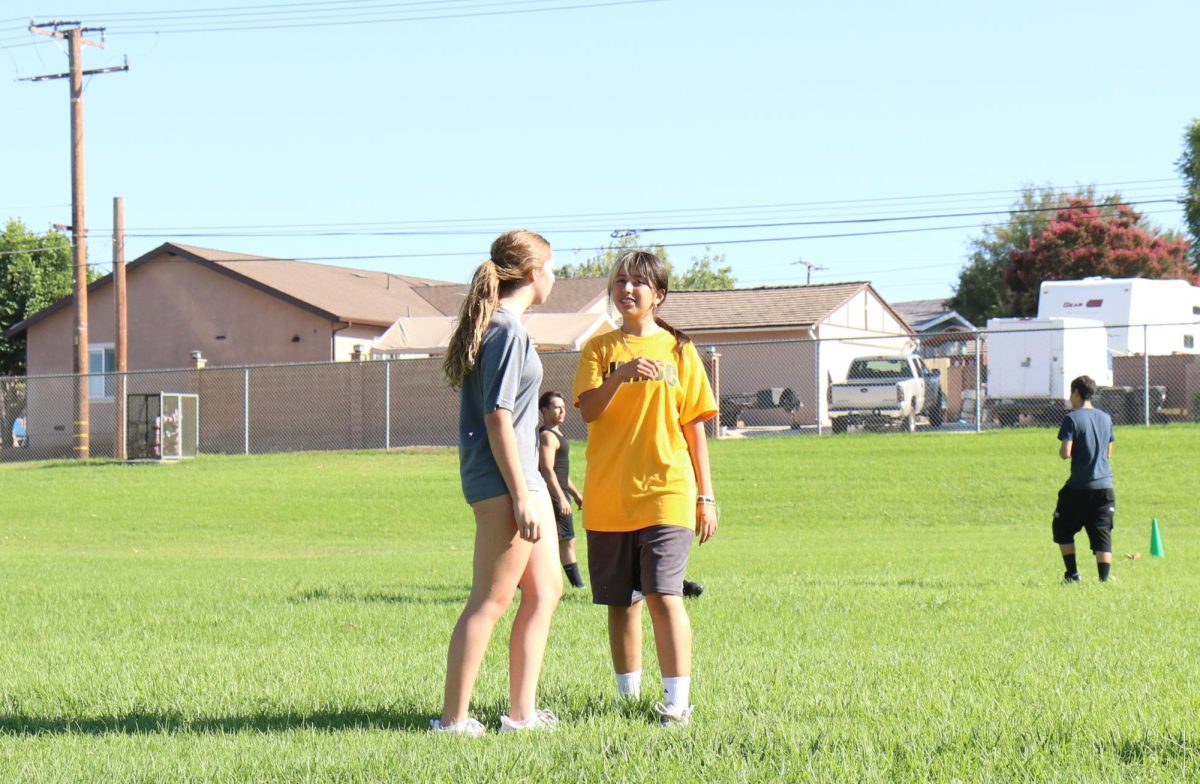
(473, 319)
(514, 254)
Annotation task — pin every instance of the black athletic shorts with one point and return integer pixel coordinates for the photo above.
(1089, 510)
(625, 566)
(566, 525)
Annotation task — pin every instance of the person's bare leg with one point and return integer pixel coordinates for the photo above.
(672, 634)
(541, 589)
(566, 551)
(500, 559)
(625, 637)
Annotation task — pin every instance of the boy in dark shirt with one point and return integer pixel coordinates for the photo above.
(1086, 501)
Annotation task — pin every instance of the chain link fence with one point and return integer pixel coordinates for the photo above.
(950, 381)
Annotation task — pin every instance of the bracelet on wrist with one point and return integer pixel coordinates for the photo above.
(706, 499)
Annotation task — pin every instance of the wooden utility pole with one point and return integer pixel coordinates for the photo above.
(73, 32)
(120, 327)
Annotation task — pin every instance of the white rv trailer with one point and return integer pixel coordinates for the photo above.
(1171, 308)
(1031, 363)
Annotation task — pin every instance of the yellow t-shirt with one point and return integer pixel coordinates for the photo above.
(639, 470)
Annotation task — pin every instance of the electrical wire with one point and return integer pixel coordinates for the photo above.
(164, 30)
(599, 249)
(299, 230)
(292, 12)
(562, 221)
(265, 8)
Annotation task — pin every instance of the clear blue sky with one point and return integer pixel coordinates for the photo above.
(578, 122)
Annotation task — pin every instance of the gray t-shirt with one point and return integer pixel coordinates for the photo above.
(1090, 432)
(507, 374)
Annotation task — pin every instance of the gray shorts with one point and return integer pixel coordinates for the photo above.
(625, 566)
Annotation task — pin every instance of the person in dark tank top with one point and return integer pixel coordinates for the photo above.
(554, 461)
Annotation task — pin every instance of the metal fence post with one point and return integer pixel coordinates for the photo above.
(122, 422)
(387, 405)
(246, 410)
(817, 374)
(715, 362)
(1146, 372)
(978, 385)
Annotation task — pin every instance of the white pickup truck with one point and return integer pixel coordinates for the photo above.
(887, 390)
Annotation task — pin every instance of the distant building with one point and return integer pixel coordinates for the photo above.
(849, 319)
(943, 331)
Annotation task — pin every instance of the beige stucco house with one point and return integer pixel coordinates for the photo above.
(239, 309)
(234, 308)
(801, 323)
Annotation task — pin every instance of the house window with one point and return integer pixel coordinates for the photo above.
(101, 359)
(1189, 341)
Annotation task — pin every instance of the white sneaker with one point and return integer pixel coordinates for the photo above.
(540, 720)
(673, 715)
(468, 726)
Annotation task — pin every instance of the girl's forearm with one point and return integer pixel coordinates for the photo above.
(697, 442)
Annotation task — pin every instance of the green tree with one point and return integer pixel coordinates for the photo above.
(35, 271)
(601, 264)
(706, 271)
(1084, 239)
(982, 291)
(1189, 168)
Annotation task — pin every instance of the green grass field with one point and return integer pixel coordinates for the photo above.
(879, 608)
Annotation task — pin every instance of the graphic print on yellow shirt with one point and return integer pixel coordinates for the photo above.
(639, 471)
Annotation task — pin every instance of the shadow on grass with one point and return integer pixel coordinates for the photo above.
(887, 582)
(1140, 751)
(104, 463)
(417, 595)
(402, 720)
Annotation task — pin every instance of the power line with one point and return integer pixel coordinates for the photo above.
(34, 250)
(301, 230)
(489, 223)
(288, 19)
(848, 221)
(296, 11)
(158, 30)
(279, 7)
(597, 249)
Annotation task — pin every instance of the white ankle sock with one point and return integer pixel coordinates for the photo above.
(629, 684)
(677, 690)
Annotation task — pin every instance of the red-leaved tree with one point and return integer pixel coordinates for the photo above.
(1085, 240)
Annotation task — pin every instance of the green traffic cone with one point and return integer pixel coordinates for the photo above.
(1156, 546)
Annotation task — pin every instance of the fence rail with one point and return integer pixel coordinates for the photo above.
(764, 386)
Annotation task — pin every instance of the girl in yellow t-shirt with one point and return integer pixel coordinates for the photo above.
(644, 393)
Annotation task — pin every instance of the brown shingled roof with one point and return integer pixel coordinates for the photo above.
(336, 293)
(360, 296)
(569, 295)
(766, 306)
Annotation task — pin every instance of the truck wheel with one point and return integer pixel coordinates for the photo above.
(838, 424)
(937, 416)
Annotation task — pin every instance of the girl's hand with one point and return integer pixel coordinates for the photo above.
(564, 506)
(706, 521)
(527, 522)
(639, 368)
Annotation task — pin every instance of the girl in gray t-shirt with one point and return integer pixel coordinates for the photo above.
(491, 360)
